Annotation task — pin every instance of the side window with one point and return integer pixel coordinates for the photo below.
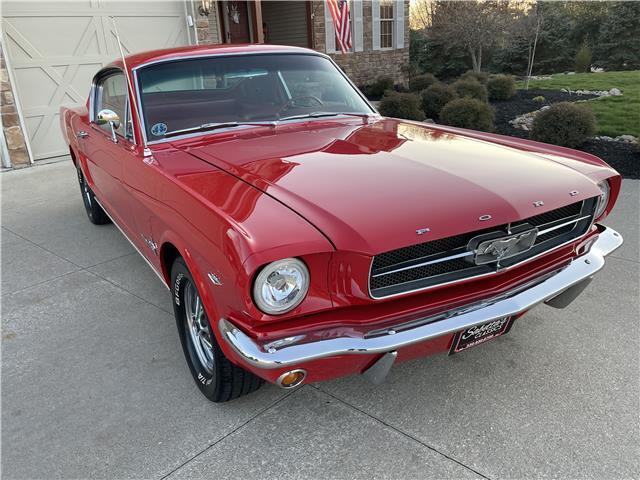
(112, 94)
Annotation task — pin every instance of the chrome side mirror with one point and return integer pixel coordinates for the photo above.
(110, 117)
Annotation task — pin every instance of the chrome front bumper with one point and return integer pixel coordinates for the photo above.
(551, 290)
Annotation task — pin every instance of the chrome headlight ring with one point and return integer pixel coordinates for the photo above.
(281, 286)
(603, 199)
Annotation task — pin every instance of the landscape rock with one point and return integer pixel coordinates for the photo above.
(621, 139)
(614, 92)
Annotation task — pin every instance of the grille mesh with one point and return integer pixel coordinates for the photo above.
(415, 277)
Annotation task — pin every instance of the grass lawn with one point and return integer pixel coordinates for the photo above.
(615, 115)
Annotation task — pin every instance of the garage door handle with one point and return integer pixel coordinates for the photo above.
(82, 134)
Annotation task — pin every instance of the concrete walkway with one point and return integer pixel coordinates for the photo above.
(94, 383)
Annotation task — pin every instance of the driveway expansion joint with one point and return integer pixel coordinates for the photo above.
(238, 428)
(401, 432)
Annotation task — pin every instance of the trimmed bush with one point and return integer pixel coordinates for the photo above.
(539, 99)
(468, 113)
(376, 90)
(501, 87)
(565, 124)
(422, 82)
(401, 105)
(471, 89)
(435, 98)
(481, 77)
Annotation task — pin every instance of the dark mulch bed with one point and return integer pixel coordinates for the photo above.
(624, 157)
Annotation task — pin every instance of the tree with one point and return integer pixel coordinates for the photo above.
(473, 25)
(618, 47)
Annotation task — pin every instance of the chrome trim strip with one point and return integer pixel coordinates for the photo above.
(580, 269)
(424, 264)
(132, 244)
(551, 229)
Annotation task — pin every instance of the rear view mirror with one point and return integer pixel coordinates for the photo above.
(110, 117)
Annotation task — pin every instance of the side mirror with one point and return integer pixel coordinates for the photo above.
(110, 117)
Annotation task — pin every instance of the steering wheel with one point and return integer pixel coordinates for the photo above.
(293, 101)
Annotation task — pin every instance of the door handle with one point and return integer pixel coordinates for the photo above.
(82, 134)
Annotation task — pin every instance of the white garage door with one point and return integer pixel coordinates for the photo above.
(55, 48)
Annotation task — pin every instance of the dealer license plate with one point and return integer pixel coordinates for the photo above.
(474, 336)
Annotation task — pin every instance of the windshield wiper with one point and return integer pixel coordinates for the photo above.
(325, 114)
(215, 126)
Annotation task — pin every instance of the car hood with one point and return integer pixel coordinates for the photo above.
(375, 186)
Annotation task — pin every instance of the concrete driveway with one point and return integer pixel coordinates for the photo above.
(94, 383)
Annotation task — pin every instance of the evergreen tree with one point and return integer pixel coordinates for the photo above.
(618, 46)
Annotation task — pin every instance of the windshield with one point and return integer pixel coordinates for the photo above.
(194, 93)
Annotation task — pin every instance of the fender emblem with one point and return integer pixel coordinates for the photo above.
(573, 193)
(484, 218)
(539, 203)
(422, 231)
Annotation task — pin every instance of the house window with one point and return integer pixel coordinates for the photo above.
(386, 23)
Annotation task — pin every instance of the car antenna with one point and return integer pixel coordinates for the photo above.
(133, 104)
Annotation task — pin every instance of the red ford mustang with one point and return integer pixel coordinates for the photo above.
(304, 237)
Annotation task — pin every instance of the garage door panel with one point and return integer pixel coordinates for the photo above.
(55, 48)
(67, 33)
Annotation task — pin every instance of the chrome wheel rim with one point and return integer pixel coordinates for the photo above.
(198, 327)
(85, 189)
(87, 194)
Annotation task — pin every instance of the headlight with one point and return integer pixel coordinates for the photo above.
(281, 286)
(603, 199)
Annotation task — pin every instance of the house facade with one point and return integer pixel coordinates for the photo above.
(50, 50)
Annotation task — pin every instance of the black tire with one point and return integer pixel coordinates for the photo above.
(94, 211)
(221, 380)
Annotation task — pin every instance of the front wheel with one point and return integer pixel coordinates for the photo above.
(95, 212)
(218, 379)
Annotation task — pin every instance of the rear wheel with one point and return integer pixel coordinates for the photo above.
(94, 211)
(218, 379)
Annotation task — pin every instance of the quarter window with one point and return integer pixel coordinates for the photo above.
(112, 95)
(386, 23)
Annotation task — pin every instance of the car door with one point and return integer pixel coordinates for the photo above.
(109, 151)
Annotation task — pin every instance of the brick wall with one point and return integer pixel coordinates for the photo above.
(10, 121)
(364, 67)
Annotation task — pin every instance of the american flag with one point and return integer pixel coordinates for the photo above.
(340, 13)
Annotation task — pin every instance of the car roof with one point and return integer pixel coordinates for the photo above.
(139, 59)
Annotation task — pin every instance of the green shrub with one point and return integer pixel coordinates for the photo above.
(565, 124)
(435, 98)
(468, 113)
(539, 99)
(501, 87)
(421, 82)
(376, 90)
(481, 77)
(471, 89)
(583, 59)
(401, 105)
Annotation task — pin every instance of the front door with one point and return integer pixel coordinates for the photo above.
(237, 22)
(107, 155)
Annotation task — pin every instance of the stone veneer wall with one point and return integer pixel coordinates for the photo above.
(208, 27)
(366, 66)
(18, 153)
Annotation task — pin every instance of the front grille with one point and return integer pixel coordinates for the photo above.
(450, 259)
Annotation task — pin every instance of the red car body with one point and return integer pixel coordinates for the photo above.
(335, 193)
